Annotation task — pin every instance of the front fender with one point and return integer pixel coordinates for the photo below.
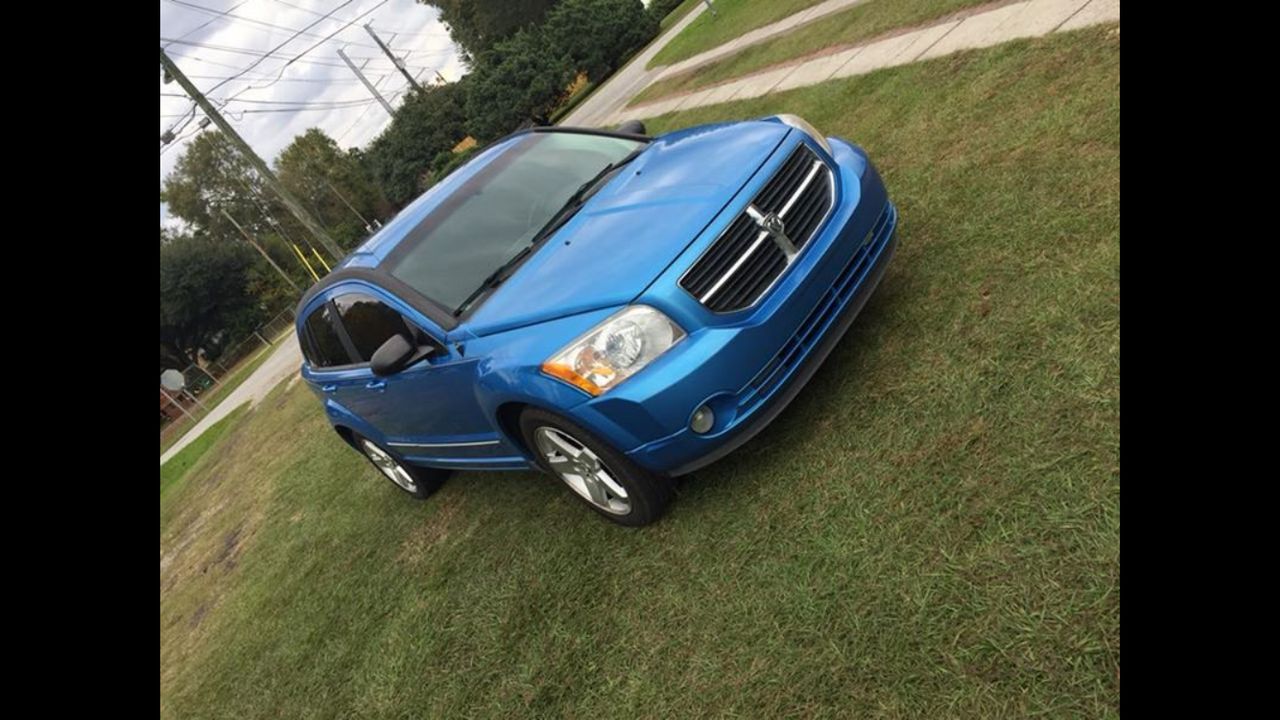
(511, 373)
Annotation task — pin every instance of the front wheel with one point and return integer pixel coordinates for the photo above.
(417, 481)
(605, 479)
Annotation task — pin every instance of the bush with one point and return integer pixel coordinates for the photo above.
(428, 123)
(659, 9)
(598, 35)
(525, 78)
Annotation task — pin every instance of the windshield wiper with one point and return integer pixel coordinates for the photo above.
(495, 278)
(561, 216)
(580, 196)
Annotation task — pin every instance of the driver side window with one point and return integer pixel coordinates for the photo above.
(324, 346)
(369, 323)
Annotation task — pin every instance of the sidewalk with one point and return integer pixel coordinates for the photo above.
(1032, 18)
(284, 361)
(759, 35)
(630, 79)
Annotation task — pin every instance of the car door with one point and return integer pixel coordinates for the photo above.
(432, 401)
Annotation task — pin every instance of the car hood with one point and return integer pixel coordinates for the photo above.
(633, 227)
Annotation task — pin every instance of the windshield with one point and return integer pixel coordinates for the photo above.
(497, 212)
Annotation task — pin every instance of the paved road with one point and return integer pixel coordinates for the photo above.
(611, 97)
(284, 362)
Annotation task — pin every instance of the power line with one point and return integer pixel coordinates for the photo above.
(205, 24)
(284, 67)
(360, 117)
(277, 48)
(229, 17)
(341, 81)
(303, 103)
(179, 140)
(265, 55)
(313, 12)
(239, 114)
(246, 150)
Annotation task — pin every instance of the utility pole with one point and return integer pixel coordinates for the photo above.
(212, 113)
(263, 252)
(395, 60)
(385, 105)
(271, 218)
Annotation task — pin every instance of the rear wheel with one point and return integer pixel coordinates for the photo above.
(605, 479)
(417, 481)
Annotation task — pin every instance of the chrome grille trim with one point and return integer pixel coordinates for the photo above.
(771, 263)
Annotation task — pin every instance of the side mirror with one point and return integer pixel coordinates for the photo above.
(635, 127)
(393, 356)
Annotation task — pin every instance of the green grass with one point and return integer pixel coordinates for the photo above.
(861, 23)
(173, 471)
(677, 14)
(931, 530)
(733, 18)
(231, 381)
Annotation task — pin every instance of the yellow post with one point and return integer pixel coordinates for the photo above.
(303, 258)
(321, 259)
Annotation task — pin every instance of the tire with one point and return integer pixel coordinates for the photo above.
(603, 478)
(418, 482)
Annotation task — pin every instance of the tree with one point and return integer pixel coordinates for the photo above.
(428, 123)
(597, 35)
(204, 300)
(521, 79)
(525, 77)
(332, 184)
(478, 25)
(212, 176)
(660, 9)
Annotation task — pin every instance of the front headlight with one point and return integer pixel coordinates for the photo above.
(803, 126)
(614, 350)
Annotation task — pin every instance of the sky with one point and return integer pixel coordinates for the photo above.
(218, 38)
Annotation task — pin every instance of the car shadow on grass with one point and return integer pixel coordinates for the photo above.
(774, 451)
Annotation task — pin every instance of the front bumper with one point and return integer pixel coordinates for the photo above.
(747, 366)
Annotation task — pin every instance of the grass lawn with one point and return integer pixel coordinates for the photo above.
(861, 23)
(230, 381)
(676, 14)
(931, 530)
(732, 18)
(173, 471)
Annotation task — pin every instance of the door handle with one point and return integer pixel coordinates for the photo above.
(329, 388)
(377, 385)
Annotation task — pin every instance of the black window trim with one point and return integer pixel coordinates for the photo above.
(345, 338)
(353, 354)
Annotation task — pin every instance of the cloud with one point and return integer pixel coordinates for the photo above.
(413, 30)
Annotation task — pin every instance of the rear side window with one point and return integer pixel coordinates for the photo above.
(369, 322)
(326, 348)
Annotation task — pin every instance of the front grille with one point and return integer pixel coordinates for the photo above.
(745, 260)
(810, 332)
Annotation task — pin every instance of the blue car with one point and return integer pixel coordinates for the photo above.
(614, 309)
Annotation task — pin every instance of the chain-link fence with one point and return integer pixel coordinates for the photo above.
(206, 385)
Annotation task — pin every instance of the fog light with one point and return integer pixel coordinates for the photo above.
(702, 420)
